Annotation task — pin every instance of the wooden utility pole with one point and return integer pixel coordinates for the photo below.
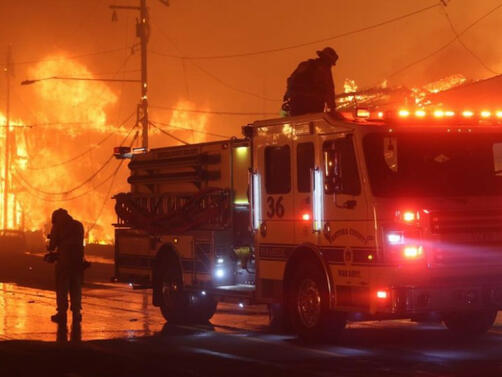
(7, 70)
(143, 29)
(143, 33)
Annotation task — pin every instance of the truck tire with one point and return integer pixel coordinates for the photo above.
(179, 306)
(202, 309)
(308, 306)
(173, 300)
(278, 318)
(470, 324)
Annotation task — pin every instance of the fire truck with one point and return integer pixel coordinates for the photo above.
(327, 218)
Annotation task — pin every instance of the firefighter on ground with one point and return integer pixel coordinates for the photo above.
(310, 87)
(66, 248)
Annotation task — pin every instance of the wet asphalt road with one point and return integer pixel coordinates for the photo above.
(122, 334)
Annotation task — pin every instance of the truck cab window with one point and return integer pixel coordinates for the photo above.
(278, 169)
(340, 167)
(304, 164)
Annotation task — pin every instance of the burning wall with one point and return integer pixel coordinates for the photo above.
(64, 159)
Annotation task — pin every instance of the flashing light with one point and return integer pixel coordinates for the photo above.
(122, 152)
(403, 113)
(412, 252)
(409, 216)
(420, 113)
(256, 180)
(498, 114)
(467, 114)
(306, 217)
(362, 113)
(395, 238)
(382, 295)
(219, 273)
(438, 113)
(219, 260)
(139, 150)
(380, 114)
(449, 113)
(485, 114)
(241, 305)
(203, 293)
(318, 200)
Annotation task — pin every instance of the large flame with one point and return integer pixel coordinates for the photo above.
(71, 119)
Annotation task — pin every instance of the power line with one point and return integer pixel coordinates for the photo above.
(107, 196)
(475, 56)
(211, 75)
(446, 45)
(115, 172)
(212, 112)
(168, 134)
(76, 157)
(35, 61)
(295, 46)
(80, 185)
(191, 129)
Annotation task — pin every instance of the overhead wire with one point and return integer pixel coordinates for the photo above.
(261, 113)
(446, 45)
(76, 157)
(93, 188)
(190, 129)
(81, 184)
(168, 134)
(462, 43)
(310, 43)
(78, 56)
(208, 73)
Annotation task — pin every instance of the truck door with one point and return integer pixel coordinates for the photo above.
(345, 223)
(277, 198)
(305, 162)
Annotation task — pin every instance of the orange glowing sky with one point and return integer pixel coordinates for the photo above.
(54, 29)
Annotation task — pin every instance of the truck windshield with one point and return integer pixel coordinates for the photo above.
(432, 164)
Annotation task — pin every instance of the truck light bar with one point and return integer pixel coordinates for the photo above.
(433, 114)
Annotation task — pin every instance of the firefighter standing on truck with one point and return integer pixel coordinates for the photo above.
(310, 87)
(67, 239)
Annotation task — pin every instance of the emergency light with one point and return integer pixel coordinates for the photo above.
(434, 114)
(122, 152)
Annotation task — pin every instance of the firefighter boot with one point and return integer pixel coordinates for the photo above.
(59, 317)
(76, 317)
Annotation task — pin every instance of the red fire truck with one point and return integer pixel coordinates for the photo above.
(326, 218)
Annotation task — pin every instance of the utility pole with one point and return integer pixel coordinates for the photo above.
(143, 29)
(143, 33)
(7, 71)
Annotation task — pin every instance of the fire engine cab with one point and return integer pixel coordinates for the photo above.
(326, 218)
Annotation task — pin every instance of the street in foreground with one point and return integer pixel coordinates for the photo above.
(121, 334)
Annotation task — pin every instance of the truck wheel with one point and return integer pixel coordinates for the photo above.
(308, 306)
(202, 309)
(173, 300)
(470, 324)
(278, 318)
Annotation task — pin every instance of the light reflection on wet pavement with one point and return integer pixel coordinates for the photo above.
(115, 313)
